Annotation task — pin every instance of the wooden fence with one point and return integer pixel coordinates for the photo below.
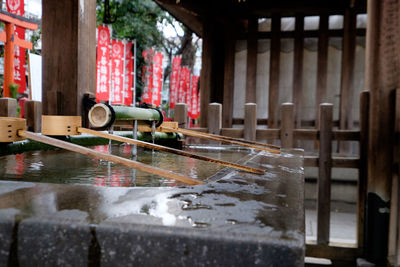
(288, 136)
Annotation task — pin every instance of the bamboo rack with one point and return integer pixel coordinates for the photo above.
(170, 150)
(220, 139)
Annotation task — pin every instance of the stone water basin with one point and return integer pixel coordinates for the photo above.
(236, 219)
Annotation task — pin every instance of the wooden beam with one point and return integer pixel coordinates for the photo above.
(347, 75)
(229, 72)
(287, 140)
(251, 72)
(250, 121)
(298, 69)
(322, 64)
(273, 100)
(190, 19)
(17, 20)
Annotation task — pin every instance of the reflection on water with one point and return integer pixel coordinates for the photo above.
(64, 167)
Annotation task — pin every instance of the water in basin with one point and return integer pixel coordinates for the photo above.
(65, 167)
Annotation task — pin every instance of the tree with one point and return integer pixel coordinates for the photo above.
(141, 20)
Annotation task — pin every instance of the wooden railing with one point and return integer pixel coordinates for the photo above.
(288, 137)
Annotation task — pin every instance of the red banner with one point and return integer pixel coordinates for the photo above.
(194, 111)
(102, 64)
(17, 7)
(117, 72)
(174, 81)
(147, 76)
(128, 80)
(184, 80)
(157, 79)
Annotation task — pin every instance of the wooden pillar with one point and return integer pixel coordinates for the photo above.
(180, 115)
(273, 101)
(229, 71)
(33, 115)
(324, 173)
(298, 69)
(214, 118)
(287, 125)
(322, 64)
(251, 73)
(206, 72)
(8, 107)
(381, 79)
(69, 54)
(347, 75)
(250, 121)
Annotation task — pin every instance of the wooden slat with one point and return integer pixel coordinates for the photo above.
(287, 139)
(306, 34)
(349, 253)
(324, 174)
(250, 121)
(306, 134)
(345, 162)
(8, 107)
(322, 64)
(267, 134)
(108, 157)
(180, 114)
(347, 76)
(346, 135)
(251, 72)
(214, 118)
(202, 130)
(273, 99)
(229, 71)
(337, 162)
(298, 69)
(33, 115)
(232, 132)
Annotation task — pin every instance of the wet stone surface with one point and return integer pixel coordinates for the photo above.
(240, 219)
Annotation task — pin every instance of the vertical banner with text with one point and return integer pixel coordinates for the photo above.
(128, 80)
(157, 78)
(102, 64)
(16, 7)
(174, 81)
(194, 111)
(117, 72)
(147, 76)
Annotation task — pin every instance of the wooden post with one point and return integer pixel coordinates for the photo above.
(298, 69)
(324, 173)
(273, 101)
(69, 57)
(382, 68)
(363, 171)
(33, 115)
(181, 115)
(8, 107)
(251, 74)
(287, 125)
(229, 71)
(250, 121)
(347, 84)
(322, 64)
(214, 118)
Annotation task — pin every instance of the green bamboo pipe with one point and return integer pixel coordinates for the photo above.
(100, 115)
